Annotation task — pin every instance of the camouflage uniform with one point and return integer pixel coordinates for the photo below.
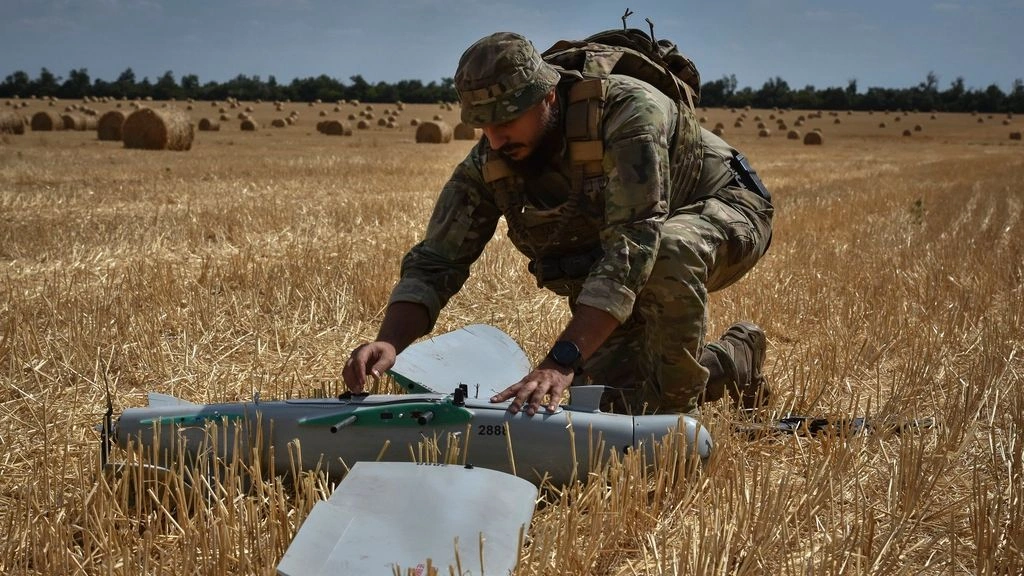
(663, 221)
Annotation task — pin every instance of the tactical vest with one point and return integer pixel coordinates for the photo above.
(572, 229)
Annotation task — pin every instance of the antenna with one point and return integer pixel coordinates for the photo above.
(625, 15)
(651, 24)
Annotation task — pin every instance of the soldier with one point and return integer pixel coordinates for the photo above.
(624, 205)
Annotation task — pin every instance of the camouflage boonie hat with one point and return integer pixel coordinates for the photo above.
(500, 77)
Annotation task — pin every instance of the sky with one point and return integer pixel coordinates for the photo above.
(823, 43)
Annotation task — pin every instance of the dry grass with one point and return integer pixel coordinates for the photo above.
(254, 263)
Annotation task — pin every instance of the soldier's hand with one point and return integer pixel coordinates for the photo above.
(548, 379)
(372, 359)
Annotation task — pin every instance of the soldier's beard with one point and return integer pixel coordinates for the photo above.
(547, 149)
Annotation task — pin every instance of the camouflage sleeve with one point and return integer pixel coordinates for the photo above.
(638, 125)
(463, 220)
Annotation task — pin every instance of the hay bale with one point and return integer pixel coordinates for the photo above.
(110, 125)
(11, 123)
(882, 124)
(278, 123)
(918, 128)
(333, 128)
(323, 113)
(150, 129)
(813, 139)
(1015, 135)
(722, 126)
(718, 131)
(737, 124)
(764, 133)
(352, 117)
(436, 132)
(224, 118)
(438, 118)
(249, 125)
(207, 125)
(908, 133)
(793, 135)
(414, 122)
(837, 121)
(78, 122)
(363, 125)
(46, 121)
(464, 131)
(382, 122)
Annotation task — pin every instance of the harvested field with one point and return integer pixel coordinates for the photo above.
(255, 263)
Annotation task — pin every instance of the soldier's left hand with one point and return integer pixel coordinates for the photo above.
(548, 379)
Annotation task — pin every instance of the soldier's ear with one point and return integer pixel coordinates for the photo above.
(550, 97)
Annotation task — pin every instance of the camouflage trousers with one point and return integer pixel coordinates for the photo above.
(653, 361)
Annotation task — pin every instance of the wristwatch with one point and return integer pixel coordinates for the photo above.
(567, 355)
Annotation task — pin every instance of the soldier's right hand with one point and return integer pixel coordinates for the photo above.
(372, 359)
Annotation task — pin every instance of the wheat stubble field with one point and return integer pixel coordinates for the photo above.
(257, 260)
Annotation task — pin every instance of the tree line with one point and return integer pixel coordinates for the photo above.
(774, 93)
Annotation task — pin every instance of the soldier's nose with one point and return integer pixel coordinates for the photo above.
(494, 137)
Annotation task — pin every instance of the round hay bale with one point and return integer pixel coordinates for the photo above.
(382, 122)
(837, 121)
(1006, 122)
(290, 120)
(110, 125)
(224, 118)
(74, 121)
(437, 132)
(793, 135)
(882, 124)
(703, 120)
(249, 125)
(918, 128)
(207, 125)
(737, 124)
(438, 118)
(278, 123)
(718, 131)
(369, 116)
(908, 133)
(722, 126)
(464, 131)
(1015, 135)
(352, 117)
(150, 129)
(11, 123)
(813, 139)
(46, 121)
(761, 125)
(249, 109)
(764, 133)
(333, 128)
(414, 122)
(981, 120)
(369, 107)
(243, 116)
(363, 125)
(323, 113)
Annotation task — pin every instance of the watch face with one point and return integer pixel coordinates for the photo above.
(565, 353)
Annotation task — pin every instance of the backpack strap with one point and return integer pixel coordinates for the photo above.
(583, 129)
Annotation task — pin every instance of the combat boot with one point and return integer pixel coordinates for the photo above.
(735, 364)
